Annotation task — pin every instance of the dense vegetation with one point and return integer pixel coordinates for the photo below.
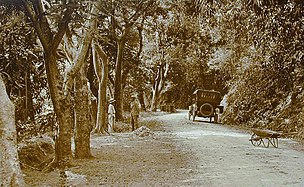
(251, 51)
(265, 66)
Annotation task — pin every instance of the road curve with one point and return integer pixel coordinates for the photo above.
(223, 156)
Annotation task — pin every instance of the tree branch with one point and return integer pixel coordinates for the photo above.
(37, 26)
(97, 66)
(111, 79)
(62, 27)
(80, 58)
(140, 29)
(137, 14)
(101, 52)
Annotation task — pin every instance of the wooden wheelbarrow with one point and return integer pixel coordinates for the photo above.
(266, 137)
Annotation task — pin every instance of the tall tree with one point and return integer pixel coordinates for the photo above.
(11, 174)
(191, 47)
(77, 51)
(100, 61)
(123, 15)
(134, 74)
(159, 83)
(61, 102)
(60, 86)
(83, 126)
(158, 49)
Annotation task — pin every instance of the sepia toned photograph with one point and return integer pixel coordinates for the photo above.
(140, 93)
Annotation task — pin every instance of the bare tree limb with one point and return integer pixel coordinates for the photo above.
(138, 13)
(37, 26)
(62, 27)
(80, 58)
(111, 79)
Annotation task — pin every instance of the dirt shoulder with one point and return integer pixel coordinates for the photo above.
(180, 153)
(123, 159)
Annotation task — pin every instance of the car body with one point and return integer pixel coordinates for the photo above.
(206, 103)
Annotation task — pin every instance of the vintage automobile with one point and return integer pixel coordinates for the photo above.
(206, 103)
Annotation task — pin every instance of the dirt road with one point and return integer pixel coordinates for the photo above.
(224, 157)
(181, 153)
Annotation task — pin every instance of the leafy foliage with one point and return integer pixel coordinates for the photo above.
(21, 64)
(252, 49)
(267, 68)
(187, 48)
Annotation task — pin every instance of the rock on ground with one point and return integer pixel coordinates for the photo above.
(36, 153)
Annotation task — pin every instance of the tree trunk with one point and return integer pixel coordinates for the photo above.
(63, 110)
(30, 112)
(159, 85)
(155, 98)
(11, 174)
(156, 90)
(82, 141)
(118, 82)
(101, 71)
(90, 76)
(62, 103)
(103, 93)
(142, 100)
(94, 93)
(82, 115)
(94, 112)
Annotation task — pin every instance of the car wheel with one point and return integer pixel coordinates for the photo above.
(206, 110)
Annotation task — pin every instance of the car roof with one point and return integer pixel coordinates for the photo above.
(208, 91)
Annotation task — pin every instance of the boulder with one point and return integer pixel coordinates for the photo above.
(36, 153)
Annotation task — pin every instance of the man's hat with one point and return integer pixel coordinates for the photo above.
(112, 100)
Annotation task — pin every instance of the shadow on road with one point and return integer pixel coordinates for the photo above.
(205, 120)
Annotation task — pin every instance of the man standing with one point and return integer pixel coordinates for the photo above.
(134, 112)
(111, 116)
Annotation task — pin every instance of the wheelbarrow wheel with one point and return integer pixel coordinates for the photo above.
(265, 142)
(274, 142)
(255, 140)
